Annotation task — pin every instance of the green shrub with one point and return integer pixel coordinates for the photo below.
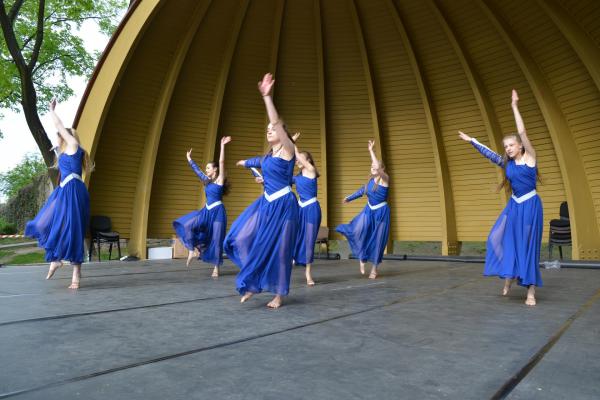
(7, 228)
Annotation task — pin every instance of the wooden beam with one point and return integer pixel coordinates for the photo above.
(143, 189)
(217, 101)
(488, 114)
(450, 244)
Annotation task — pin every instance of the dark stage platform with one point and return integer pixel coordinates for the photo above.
(422, 330)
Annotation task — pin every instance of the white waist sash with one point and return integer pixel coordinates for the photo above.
(525, 197)
(280, 193)
(375, 207)
(69, 178)
(307, 202)
(213, 205)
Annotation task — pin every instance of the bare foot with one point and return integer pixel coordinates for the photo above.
(373, 273)
(530, 296)
(215, 273)
(362, 268)
(246, 297)
(76, 277)
(275, 303)
(309, 279)
(54, 265)
(189, 259)
(507, 285)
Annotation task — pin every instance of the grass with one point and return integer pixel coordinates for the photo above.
(28, 258)
(15, 240)
(6, 253)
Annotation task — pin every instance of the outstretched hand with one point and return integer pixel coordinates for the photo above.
(371, 145)
(189, 155)
(225, 140)
(241, 163)
(515, 98)
(295, 137)
(464, 136)
(266, 84)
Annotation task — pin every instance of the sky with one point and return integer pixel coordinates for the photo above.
(18, 140)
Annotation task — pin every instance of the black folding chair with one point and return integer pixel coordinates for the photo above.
(101, 232)
(560, 231)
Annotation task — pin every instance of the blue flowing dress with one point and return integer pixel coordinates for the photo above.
(60, 225)
(204, 229)
(513, 245)
(368, 232)
(309, 219)
(262, 239)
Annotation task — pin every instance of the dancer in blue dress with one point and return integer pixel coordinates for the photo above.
(61, 224)
(309, 213)
(513, 245)
(368, 232)
(262, 239)
(204, 230)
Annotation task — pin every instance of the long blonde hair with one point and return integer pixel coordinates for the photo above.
(86, 163)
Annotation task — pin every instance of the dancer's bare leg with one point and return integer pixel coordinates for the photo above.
(54, 265)
(76, 276)
(507, 284)
(275, 303)
(530, 296)
(215, 273)
(246, 296)
(373, 273)
(190, 257)
(309, 279)
(362, 268)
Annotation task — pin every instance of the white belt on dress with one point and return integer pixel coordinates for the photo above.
(307, 202)
(526, 196)
(69, 178)
(213, 205)
(375, 207)
(278, 194)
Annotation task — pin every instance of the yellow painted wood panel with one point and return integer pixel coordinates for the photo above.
(176, 190)
(120, 149)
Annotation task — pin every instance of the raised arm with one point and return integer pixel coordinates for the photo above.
(521, 125)
(265, 87)
(302, 159)
(221, 178)
(484, 150)
(196, 168)
(384, 177)
(69, 139)
(359, 193)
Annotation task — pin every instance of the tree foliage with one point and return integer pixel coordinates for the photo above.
(55, 53)
(40, 47)
(22, 175)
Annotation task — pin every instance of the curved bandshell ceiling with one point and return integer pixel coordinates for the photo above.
(407, 73)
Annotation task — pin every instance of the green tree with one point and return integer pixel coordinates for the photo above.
(41, 48)
(22, 175)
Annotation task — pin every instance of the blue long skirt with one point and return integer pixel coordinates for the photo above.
(60, 225)
(261, 242)
(368, 233)
(308, 229)
(204, 230)
(513, 245)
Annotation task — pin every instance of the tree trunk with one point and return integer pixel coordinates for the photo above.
(29, 103)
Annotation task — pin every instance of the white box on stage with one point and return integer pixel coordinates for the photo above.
(160, 253)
